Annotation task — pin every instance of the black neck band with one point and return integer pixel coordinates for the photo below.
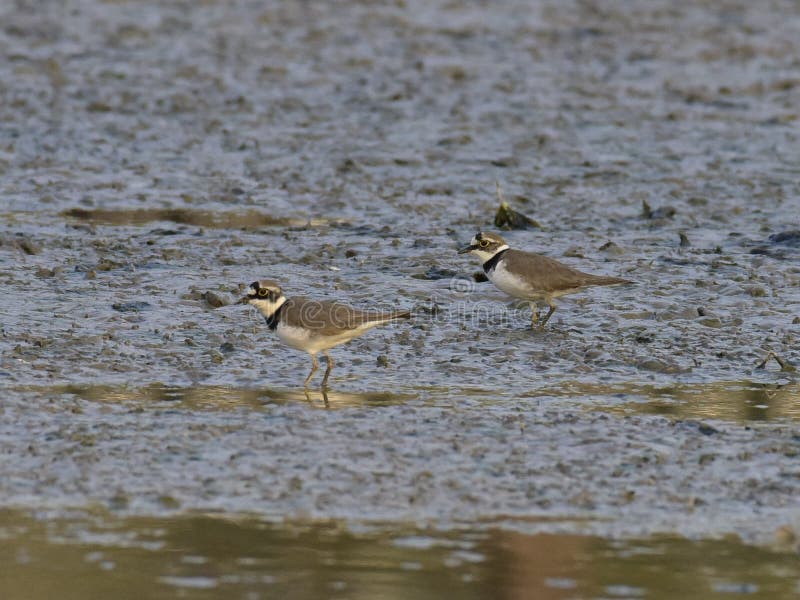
(272, 320)
(492, 262)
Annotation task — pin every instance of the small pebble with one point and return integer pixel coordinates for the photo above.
(662, 212)
(215, 300)
(479, 277)
(435, 273)
(611, 248)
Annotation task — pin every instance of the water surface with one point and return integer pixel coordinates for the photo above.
(94, 555)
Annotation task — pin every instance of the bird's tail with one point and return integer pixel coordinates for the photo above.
(377, 318)
(604, 280)
(399, 314)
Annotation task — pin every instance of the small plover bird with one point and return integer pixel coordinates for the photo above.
(530, 276)
(313, 326)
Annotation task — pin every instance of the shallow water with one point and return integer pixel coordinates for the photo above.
(156, 157)
(93, 555)
(742, 401)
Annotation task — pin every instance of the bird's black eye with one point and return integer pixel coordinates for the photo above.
(483, 243)
(263, 292)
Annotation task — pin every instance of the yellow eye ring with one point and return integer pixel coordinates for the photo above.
(483, 243)
(263, 292)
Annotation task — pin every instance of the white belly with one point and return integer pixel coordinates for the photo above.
(512, 284)
(302, 339)
(294, 337)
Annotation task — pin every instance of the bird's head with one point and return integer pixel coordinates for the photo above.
(484, 245)
(265, 295)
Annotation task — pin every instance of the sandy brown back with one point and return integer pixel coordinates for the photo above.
(548, 275)
(332, 318)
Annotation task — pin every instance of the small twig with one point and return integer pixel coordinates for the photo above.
(498, 192)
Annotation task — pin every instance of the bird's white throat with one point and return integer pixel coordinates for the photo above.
(267, 307)
(483, 255)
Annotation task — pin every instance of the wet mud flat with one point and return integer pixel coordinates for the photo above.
(424, 457)
(156, 157)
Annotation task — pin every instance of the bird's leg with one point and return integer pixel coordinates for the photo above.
(327, 371)
(534, 315)
(552, 306)
(325, 398)
(314, 367)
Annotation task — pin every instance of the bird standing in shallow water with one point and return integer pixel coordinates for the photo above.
(530, 276)
(313, 326)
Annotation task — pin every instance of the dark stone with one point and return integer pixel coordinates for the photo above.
(130, 306)
(662, 212)
(792, 238)
(435, 273)
(508, 218)
(706, 429)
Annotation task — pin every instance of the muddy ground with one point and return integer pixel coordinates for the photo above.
(156, 157)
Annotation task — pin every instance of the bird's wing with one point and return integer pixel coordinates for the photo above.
(332, 318)
(549, 274)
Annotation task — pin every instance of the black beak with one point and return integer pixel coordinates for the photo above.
(466, 249)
